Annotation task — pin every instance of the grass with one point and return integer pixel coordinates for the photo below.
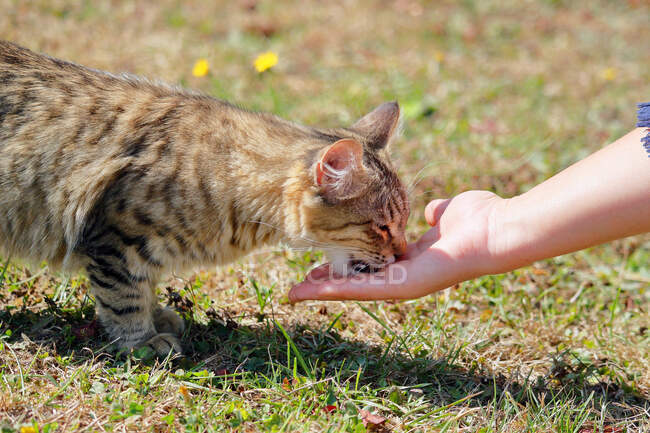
(496, 95)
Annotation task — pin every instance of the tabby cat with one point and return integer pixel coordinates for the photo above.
(131, 179)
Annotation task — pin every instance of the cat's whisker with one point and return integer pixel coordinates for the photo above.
(415, 179)
(428, 191)
(308, 240)
(288, 235)
(281, 250)
(272, 251)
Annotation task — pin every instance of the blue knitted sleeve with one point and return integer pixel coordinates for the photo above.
(644, 122)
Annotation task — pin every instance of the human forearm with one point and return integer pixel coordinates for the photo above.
(600, 198)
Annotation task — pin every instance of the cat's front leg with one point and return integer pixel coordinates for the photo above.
(167, 321)
(127, 308)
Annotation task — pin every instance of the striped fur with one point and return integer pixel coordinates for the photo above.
(130, 179)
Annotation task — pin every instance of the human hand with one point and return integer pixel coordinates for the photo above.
(456, 248)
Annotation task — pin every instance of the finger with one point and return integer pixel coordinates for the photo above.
(333, 291)
(391, 283)
(318, 273)
(416, 248)
(434, 210)
(412, 250)
(428, 239)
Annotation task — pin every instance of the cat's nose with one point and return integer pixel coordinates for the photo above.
(400, 247)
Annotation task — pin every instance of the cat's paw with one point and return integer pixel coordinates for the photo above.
(167, 321)
(162, 344)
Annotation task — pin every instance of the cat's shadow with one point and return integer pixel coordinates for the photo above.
(228, 349)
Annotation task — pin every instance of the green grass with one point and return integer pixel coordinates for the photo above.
(495, 95)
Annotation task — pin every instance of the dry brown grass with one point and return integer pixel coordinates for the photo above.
(496, 95)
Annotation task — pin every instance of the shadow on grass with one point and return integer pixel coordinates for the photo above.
(224, 347)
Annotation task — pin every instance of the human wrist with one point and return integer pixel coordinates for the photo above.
(511, 236)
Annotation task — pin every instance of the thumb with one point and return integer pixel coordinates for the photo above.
(434, 210)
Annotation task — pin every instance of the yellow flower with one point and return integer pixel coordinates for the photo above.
(609, 74)
(439, 56)
(27, 429)
(201, 68)
(265, 61)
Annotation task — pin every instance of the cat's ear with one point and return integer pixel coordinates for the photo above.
(339, 172)
(379, 125)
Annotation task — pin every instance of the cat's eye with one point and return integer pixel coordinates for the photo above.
(384, 228)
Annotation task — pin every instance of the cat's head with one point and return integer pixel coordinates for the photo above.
(357, 206)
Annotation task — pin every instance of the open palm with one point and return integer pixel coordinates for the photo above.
(456, 248)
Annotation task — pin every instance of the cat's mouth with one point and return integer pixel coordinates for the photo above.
(359, 266)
